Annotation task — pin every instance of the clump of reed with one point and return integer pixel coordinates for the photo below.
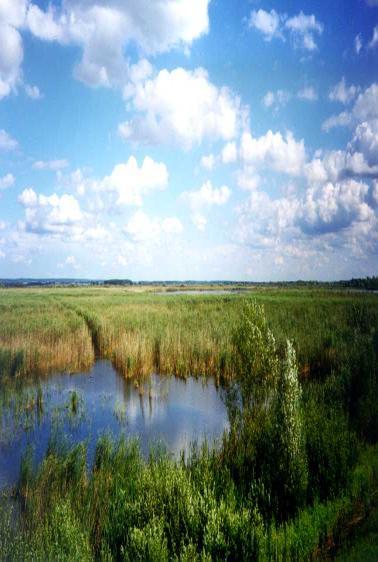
(186, 335)
(38, 336)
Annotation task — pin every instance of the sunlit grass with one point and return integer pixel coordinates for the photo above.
(43, 330)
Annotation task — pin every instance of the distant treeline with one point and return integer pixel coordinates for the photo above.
(367, 283)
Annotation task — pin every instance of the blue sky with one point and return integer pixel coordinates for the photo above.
(189, 139)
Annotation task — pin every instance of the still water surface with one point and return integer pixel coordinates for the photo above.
(87, 405)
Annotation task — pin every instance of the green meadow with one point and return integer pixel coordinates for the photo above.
(294, 478)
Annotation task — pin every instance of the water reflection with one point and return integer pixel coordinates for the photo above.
(85, 406)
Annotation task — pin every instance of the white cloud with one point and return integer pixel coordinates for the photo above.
(365, 108)
(207, 195)
(131, 183)
(326, 221)
(6, 181)
(333, 207)
(6, 141)
(199, 220)
(208, 162)
(308, 93)
(201, 199)
(247, 179)
(53, 165)
(13, 12)
(71, 260)
(372, 2)
(343, 94)
(104, 28)
(51, 214)
(229, 153)
(374, 40)
(141, 228)
(365, 141)
(268, 23)
(11, 56)
(316, 172)
(49, 25)
(272, 150)
(33, 92)
(302, 28)
(172, 225)
(263, 220)
(182, 107)
(358, 160)
(358, 43)
(276, 99)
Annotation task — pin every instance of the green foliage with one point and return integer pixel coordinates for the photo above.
(265, 447)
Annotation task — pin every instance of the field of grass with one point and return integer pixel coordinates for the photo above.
(296, 476)
(141, 332)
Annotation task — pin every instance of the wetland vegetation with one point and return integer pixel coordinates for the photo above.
(295, 475)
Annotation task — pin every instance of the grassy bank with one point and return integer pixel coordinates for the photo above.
(127, 509)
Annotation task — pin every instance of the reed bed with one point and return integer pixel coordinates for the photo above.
(38, 335)
(185, 335)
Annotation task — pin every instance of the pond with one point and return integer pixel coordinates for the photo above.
(84, 406)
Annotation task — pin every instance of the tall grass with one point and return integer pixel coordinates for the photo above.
(39, 335)
(51, 329)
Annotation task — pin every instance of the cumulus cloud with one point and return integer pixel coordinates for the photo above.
(201, 199)
(12, 15)
(333, 207)
(364, 108)
(357, 160)
(182, 107)
(343, 93)
(327, 218)
(272, 150)
(6, 181)
(247, 178)
(229, 153)
(6, 141)
(142, 228)
(207, 195)
(51, 214)
(365, 141)
(102, 29)
(268, 23)
(301, 28)
(53, 165)
(131, 182)
(262, 220)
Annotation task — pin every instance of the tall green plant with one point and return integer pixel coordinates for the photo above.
(265, 447)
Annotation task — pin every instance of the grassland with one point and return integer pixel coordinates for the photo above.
(53, 329)
(296, 476)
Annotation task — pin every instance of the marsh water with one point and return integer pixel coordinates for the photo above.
(84, 406)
